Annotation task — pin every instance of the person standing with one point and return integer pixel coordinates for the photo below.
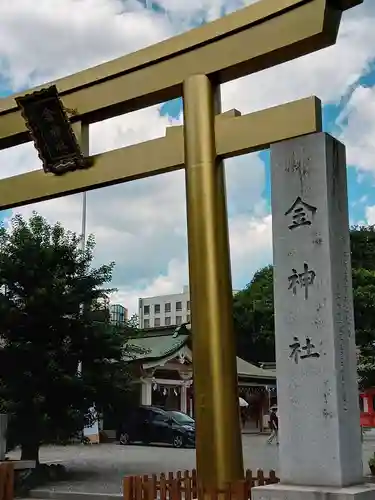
(274, 426)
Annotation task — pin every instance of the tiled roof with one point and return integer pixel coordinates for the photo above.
(244, 368)
(163, 342)
(157, 343)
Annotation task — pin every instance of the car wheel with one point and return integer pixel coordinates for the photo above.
(178, 441)
(124, 438)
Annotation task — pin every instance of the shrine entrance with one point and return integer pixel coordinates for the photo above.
(192, 66)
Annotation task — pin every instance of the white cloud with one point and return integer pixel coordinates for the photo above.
(184, 14)
(139, 225)
(172, 281)
(357, 123)
(329, 74)
(142, 225)
(245, 181)
(44, 40)
(370, 214)
(251, 246)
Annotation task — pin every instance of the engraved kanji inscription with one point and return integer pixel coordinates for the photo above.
(301, 280)
(295, 349)
(309, 350)
(301, 214)
(299, 351)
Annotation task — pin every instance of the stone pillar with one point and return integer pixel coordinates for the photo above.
(183, 402)
(3, 430)
(320, 439)
(146, 395)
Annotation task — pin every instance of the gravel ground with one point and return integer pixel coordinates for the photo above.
(100, 468)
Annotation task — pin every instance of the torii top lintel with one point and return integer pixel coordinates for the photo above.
(257, 37)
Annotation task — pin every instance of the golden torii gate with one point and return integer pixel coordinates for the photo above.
(192, 65)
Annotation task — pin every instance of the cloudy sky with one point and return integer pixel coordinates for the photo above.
(142, 225)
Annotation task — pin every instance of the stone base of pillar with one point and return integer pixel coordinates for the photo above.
(20, 464)
(289, 492)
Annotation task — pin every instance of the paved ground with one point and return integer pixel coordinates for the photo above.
(100, 468)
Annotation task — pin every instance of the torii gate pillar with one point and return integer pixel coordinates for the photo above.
(218, 435)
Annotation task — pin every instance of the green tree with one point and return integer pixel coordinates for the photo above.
(363, 264)
(364, 307)
(366, 368)
(362, 241)
(133, 321)
(254, 318)
(51, 317)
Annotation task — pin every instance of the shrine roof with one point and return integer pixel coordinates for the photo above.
(157, 343)
(246, 369)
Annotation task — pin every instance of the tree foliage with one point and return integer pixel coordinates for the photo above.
(364, 297)
(254, 318)
(366, 368)
(362, 241)
(52, 318)
(363, 264)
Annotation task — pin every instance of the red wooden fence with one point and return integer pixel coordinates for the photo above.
(184, 486)
(6, 481)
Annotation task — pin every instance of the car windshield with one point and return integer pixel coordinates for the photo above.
(181, 418)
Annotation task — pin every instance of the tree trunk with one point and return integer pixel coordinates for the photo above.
(30, 451)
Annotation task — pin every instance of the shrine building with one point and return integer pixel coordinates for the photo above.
(164, 361)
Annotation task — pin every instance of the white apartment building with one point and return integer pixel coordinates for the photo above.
(165, 310)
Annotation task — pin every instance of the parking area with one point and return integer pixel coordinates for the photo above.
(100, 468)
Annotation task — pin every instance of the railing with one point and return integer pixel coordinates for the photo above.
(6, 481)
(184, 486)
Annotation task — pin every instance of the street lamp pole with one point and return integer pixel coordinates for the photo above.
(84, 216)
(83, 246)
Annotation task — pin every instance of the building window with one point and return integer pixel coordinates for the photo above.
(167, 320)
(157, 322)
(178, 306)
(146, 310)
(146, 323)
(178, 320)
(157, 308)
(188, 305)
(188, 318)
(168, 307)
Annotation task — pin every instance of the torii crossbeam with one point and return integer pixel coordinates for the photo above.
(192, 65)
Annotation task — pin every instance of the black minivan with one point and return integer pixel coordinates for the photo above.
(150, 424)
